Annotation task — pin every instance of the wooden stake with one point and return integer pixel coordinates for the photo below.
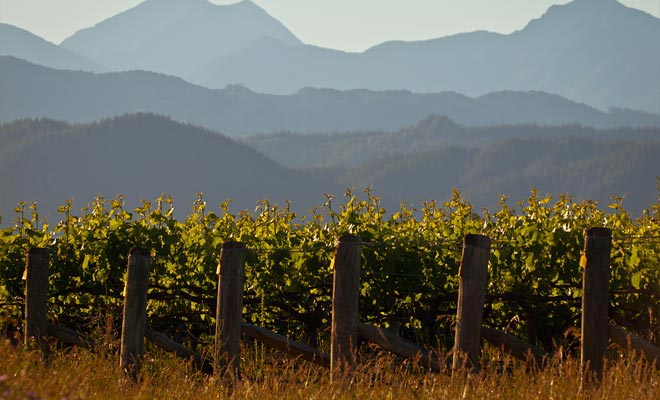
(135, 311)
(230, 307)
(345, 296)
(471, 293)
(36, 295)
(595, 283)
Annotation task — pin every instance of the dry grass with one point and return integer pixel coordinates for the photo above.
(81, 374)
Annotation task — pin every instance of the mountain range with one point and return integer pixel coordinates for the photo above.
(32, 91)
(599, 52)
(595, 51)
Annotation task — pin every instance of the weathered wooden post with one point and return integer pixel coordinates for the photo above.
(229, 310)
(471, 293)
(36, 295)
(135, 311)
(345, 296)
(595, 284)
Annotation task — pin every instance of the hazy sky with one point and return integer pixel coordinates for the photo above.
(352, 25)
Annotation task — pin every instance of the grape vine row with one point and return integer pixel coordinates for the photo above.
(410, 261)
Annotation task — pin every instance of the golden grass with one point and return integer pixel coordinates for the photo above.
(82, 374)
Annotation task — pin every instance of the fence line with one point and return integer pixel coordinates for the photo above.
(345, 324)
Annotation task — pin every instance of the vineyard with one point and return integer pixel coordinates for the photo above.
(409, 279)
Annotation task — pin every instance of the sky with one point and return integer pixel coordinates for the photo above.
(350, 25)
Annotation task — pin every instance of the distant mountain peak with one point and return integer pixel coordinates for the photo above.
(20, 43)
(194, 6)
(200, 6)
(187, 3)
(246, 3)
(237, 89)
(597, 3)
(434, 123)
(176, 37)
(595, 18)
(594, 7)
(592, 4)
(197, 3)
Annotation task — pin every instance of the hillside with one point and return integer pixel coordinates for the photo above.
(31, 91)
(143, 156)
(175, 37)
(582, 168)
(354, 148)
(22, 44)
(140, 156)
(426, 160)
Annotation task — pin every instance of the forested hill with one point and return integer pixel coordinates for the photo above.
(143, 156)
(581, 168)
(140, 156)
(426, 160)
(354, 148)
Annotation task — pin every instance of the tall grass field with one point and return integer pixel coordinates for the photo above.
(84, 374)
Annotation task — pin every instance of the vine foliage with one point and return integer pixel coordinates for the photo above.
(410, 261)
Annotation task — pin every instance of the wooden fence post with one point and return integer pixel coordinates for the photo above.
(36, 295)
(595, 284)
(345, 296)
(471, 293)
(229, 310)
(135, 311)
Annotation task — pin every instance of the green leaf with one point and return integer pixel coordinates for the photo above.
(529, 262)
(634, 257)
(85, 263)
(636, 280)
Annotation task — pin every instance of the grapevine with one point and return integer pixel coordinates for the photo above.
(410, 261)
